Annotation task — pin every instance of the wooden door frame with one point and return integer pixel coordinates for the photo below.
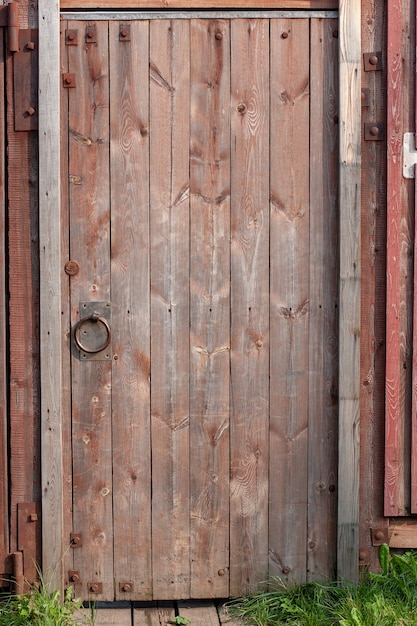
(50, 293)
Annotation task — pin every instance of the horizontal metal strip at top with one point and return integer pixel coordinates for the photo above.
(175, 15)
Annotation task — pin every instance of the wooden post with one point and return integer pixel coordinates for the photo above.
(350, 276)
(50, 297)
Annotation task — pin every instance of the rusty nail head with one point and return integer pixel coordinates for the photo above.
(286, 569)
(72, 268)
(30, 45)
(126, 587)
(71, 37)
(372, 61)
(76, 540)
(219, 34)
(69, 80)
(91, 34)
(284, 35)
(221, 572)
(379, 536)
(95, 587)
(74, 576)
(124, 32)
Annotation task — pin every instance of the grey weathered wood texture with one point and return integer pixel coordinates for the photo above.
(350, 285)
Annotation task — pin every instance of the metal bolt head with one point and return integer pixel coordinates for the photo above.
(30, 45)
(90, 34)
(284, 35)
(374, 131)
(30, 111)
(373, 60)
(219, 34)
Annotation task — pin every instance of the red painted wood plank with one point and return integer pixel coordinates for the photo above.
(393, 365)
(414, 374)
(414, 383)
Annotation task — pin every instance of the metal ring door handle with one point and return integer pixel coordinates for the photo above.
(97, 319)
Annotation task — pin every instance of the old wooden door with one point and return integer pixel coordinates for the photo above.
(199, 204)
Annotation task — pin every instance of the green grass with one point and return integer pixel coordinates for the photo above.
(385, 599)
(40, 608)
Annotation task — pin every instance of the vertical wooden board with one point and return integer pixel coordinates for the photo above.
(65, 317)
(49, 255)
(414, 373)
(199, 614)
(373, 291)
(394, 344)
(249, 304)
(289, 309)
(129, 171)
(23, 303)
(169, 219)
(90, 247)
(210, 306)
(4, 486)
(324, 267)
(350, 281)
(161, 615)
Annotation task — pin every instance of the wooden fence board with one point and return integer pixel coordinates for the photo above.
(350, 282)
(162, 615)
(23, 286)
(250, 304)
(50, 338)
(129, 171)
(210, 306)
(4, 487)
(199, 614)
(90, 247)
(394, 422)
(68, 560)
(169, 201)
(289, 312)
(324, 266)
(414, 347)
(221, 4)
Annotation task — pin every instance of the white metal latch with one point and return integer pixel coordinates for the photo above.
(409, 155)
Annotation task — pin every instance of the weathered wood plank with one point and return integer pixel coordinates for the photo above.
(90, 247)
(68, 560)
(205, 4)
(169, 219)
(249, 304)
(403, 535)
(324, 266)
(106, 617)
(414, 346)
(210, 306)
(373, 290)
(289, 310)
(50, 299)
(129, 171)
(349, 310)
(199, 614)
(23, 286)
(4, 486)
(162, 615)
(394, 377)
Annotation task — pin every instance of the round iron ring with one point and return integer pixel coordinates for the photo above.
(96, 318)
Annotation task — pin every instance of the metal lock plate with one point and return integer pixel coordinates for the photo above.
(92, 333)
